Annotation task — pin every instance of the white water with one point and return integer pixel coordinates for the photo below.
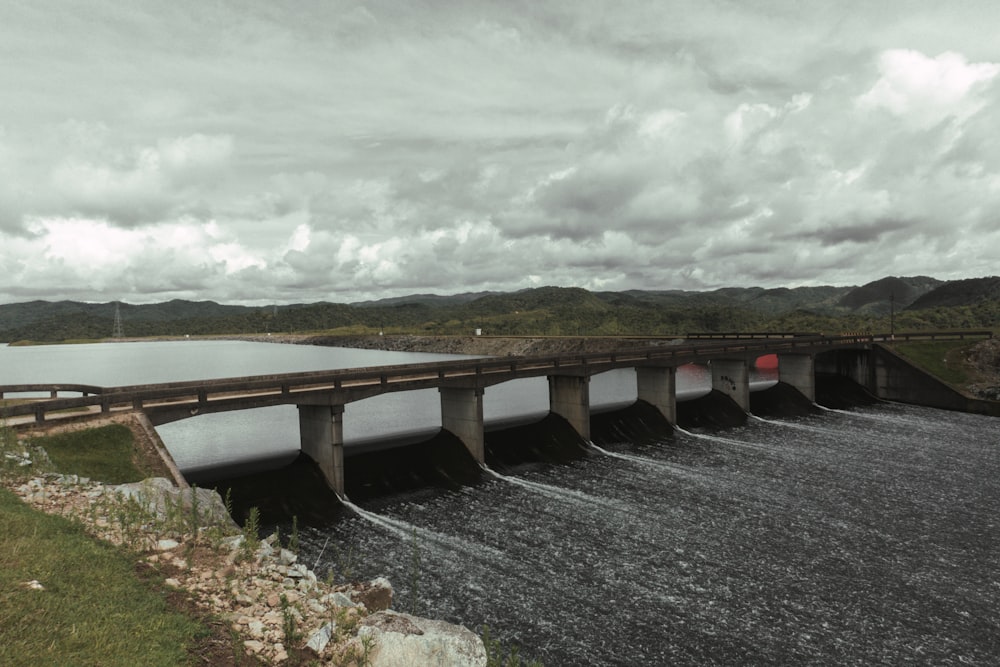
(836, 538)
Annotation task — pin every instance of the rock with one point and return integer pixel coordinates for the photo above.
(256, 629)
(286, 557)
(342, 600)
(319, 639)
(173, 583)
(254, 646)
(167, 545)
(156, 492)
(401, 640)
(376, 595)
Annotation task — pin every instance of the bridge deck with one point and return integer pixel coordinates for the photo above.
(177, 400)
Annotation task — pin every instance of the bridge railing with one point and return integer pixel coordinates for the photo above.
(740, 335)
(394, 377)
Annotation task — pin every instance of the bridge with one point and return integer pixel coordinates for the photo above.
(321, 396)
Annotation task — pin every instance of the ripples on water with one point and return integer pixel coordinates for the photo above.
(864, 537)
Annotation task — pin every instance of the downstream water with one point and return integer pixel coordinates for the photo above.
(860, 537)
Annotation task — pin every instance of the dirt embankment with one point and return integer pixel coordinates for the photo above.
(983, 359)
(493, 346)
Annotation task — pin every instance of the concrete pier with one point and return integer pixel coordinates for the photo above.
(321, 434)
(799, 371)
(732, 378)
(658, 387)
(462, 416)
(569, 397)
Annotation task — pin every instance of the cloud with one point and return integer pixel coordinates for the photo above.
(144, 184)
(924, 90)
(355, 151)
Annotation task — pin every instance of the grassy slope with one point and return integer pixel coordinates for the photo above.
(943, 359)
(103, 453)
(94, 609)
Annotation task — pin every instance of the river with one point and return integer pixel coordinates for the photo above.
(861, 537)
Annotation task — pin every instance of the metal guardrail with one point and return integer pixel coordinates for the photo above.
(286, 387)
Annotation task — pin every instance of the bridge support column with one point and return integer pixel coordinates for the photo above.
(569, 397)
(462, 416)
(798, 370)
(658, 387)
(732, 378)
(321, 432)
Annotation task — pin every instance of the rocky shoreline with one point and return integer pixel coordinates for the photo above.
(281, 612)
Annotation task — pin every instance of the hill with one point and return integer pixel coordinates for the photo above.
(543, 311)
(960, 293)
(876, 296)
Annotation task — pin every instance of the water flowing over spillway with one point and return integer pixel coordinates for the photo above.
(846, 537)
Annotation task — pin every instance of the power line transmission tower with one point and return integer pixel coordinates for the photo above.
(118, 331)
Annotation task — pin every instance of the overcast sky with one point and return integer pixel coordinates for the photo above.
(253, 151)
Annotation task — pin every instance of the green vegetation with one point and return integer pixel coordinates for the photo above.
(104, 453)
(92, 609)
(251, 533)
(916, 304)
(943, 359)
(68, 598)
(499, 656)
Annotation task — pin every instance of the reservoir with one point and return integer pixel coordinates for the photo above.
(861, 536)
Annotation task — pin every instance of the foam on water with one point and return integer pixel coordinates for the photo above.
(556, 492)
(651, 463)
(408, 531)
(717, 438)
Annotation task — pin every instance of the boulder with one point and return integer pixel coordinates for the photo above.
(320, 638)
(376, 595)
(157, 493)
(401, 640)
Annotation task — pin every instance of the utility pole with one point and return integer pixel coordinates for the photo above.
(892, 316)
(118, 331)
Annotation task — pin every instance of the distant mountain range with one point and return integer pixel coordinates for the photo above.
(916, 303)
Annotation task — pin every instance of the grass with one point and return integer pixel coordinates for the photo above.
(943, 359)
(97, 604)
(93, 609)
(105, 453)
